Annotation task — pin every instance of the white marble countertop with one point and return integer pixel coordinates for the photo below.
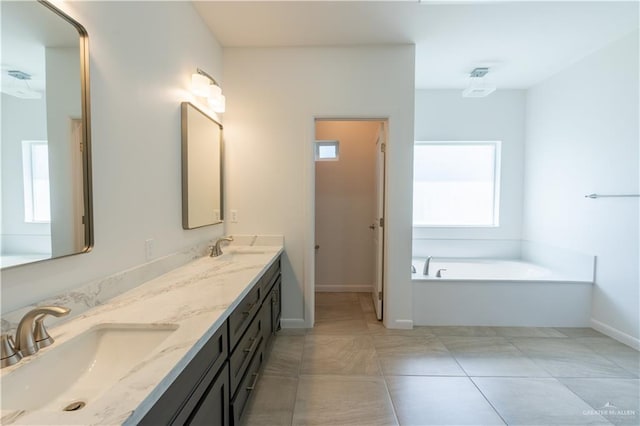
(197, 298)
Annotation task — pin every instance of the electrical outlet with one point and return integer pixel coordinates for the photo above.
(148, 249)
(234, 216)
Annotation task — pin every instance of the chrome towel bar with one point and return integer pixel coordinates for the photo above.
(612, 196)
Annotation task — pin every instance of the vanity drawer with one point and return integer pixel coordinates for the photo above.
(241, 317)
(247, 385)
(247, 347)
(269, 277)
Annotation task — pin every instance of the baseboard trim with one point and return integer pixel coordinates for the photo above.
(292, 323)
(400, 324)
(614, 333)
(343, 288)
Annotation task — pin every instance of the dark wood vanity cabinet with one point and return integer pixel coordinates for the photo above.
(205, 375)
(216, 386)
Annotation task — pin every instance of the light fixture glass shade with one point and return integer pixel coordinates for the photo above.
(215, 91)
(218, 103)
(200, 85)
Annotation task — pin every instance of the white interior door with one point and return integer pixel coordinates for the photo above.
(378, 222)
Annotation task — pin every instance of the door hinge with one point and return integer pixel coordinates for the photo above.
(381, 222)
(379, 295)
(383, 147)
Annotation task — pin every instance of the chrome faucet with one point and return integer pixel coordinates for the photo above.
(31, 334)
(216, 249)
(427, 262)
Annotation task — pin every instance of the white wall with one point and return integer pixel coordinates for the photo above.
(142, 58)
(582, 137)
(345, 203)
(22, 119)
(444, 115)
(273, 96)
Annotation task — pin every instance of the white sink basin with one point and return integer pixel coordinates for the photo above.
(245, 255)
(82, 368)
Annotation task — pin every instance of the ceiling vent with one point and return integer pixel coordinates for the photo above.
(478, 86)
(16, 83)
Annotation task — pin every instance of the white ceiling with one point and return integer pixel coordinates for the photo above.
(522, 42)
(27, 28)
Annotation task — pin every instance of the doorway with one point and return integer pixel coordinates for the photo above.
(349, 207)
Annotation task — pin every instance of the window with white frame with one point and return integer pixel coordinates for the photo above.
(327, 150)
(35, 171)
(456, 184)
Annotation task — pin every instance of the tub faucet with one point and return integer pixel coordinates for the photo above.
(31, 334)
(427, 262)
(216, 249)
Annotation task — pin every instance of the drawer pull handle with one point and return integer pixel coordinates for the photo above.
(250, 349)
(255, 380)
(248, 311)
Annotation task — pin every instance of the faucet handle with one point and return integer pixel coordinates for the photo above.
(40, 334)
(9, 354)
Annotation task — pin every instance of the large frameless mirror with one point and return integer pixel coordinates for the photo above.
(201, 168)
(46, 209)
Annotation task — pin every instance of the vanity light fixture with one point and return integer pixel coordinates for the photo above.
(205, 86)
(478, 86)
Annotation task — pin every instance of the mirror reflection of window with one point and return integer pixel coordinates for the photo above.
(35, 172)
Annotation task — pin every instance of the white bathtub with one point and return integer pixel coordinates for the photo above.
(484, 270)
(498, 292)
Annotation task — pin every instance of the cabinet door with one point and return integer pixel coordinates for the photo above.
(213, 407)
(180, 395)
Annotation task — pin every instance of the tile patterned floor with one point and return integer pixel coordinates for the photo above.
(350, 370)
